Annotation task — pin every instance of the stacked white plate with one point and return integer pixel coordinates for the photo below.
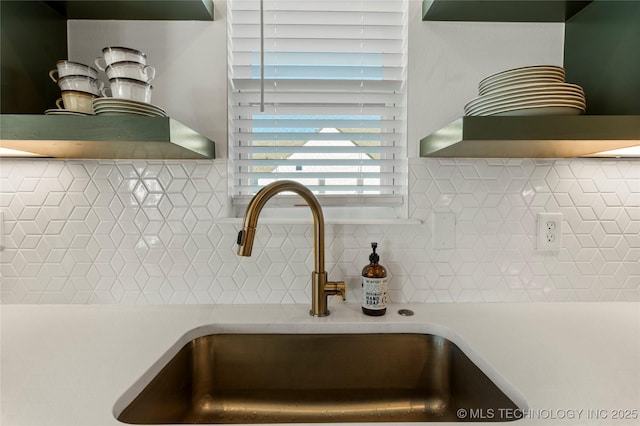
(116, 106)
(59, 111)
(534, 90)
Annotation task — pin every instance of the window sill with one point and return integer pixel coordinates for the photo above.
(351, 210)
(328, 221)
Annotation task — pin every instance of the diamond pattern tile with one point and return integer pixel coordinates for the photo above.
(140, 232)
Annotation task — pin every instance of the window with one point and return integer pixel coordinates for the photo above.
(334, 98)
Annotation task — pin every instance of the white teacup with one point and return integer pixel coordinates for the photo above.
(111, 55)
(128, 88)
(74, 100)
(81, 83)
(130, 69)
(66, 68)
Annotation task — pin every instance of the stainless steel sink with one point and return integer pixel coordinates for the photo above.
(308, 378)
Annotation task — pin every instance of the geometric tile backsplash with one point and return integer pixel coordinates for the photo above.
(151, 232)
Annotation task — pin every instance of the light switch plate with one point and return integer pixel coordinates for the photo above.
(1, 231)
(444, 230)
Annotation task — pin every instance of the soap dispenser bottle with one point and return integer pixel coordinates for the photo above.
(374, 286)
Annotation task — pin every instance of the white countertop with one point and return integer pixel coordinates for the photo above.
(566, 363)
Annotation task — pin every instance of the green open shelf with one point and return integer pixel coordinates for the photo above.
(550, 136)
(103, 137)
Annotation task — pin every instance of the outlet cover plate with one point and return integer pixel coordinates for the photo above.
(549, 232)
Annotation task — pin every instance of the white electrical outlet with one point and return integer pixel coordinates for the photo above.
(549, 231)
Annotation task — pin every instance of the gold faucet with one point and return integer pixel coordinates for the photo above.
(320, 286)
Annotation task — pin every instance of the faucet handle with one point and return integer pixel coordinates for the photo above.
(336, 288)
(342, 289)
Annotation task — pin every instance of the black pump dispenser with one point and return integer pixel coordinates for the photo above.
(373, 257)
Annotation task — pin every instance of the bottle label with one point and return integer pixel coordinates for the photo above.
(374, 293)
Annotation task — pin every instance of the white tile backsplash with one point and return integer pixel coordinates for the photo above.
(138, 232)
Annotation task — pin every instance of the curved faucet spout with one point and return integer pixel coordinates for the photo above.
(245, 241)
(321, 287)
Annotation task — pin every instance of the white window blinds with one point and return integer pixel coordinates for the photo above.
(334, 95)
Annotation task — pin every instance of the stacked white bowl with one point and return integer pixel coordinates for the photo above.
(78, 84)
(532, 90)
(128, 73)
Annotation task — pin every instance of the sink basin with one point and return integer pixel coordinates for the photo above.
(311, 378)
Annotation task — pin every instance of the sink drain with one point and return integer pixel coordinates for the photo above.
(405, 312)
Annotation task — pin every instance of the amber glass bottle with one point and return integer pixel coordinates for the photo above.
(374, 286)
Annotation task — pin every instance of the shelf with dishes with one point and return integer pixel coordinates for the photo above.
(120, 124)
(41, 26)
(531, 112)
(600, 41)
